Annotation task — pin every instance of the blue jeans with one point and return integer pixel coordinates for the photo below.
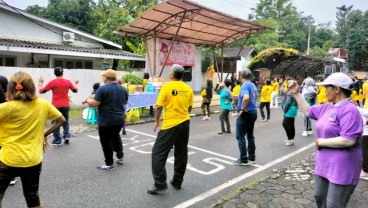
(66, 134)
(245, 127)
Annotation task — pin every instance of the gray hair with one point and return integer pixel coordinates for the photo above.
(246, 73)
(178, 71)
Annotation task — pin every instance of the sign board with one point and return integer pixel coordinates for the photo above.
(181, 53)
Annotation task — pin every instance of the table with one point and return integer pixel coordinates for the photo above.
(142, 100)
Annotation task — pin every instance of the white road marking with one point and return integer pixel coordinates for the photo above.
(193, 147)
(240, 178)
(94, 137)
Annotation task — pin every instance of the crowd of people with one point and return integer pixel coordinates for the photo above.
(341, 143)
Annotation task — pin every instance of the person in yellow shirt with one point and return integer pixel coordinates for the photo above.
(236, 91)
(284, 84)
(355, 96)
(176, 99)
(365, 93)
(275, 91)
(266, 91)
(23, 136)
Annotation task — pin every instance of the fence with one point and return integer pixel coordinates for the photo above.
(86, 79)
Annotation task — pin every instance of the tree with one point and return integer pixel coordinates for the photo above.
(341, 27)
(357, 39)
(73, 13)
(36, 10)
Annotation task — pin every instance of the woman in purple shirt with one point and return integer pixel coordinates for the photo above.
(338, 152)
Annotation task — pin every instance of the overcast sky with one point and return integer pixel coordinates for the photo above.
(323, 11)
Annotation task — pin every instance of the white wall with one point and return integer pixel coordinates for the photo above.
(196, 82)
(86, 79)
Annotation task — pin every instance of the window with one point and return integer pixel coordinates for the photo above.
(88, 65)
(73, 64)
(8, 61)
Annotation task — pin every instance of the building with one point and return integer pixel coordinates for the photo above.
(33, 42)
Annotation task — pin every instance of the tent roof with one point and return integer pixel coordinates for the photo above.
(198, 25)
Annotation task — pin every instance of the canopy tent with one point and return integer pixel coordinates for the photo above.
(289, 62)
(188, 22)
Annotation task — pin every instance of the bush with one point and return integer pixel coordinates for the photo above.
(133, 79)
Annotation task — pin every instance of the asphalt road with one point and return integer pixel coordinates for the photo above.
(70, 178)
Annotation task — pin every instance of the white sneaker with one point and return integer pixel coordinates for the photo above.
(13, 182)
(289, 142)
(205, 118)
(310, 132)
(305, 133)
(264, 120)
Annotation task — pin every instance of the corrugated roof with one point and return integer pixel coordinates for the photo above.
(198, 24)
(32, 45)
(233, 52)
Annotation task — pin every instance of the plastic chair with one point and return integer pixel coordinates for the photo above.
(91, 116)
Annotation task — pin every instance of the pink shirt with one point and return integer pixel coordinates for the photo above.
(60, 89)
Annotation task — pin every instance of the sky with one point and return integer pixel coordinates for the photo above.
(323, 11)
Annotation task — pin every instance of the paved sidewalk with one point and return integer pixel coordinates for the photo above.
(292, 187)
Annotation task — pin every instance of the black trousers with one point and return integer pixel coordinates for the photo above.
(177, 136)
(224, 118)
(111, 142)
(288, 124)
(365, 153)
(30, 177)
(261, 106)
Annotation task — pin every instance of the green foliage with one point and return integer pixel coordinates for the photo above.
(206, 59)
(357, 39)
(341, 27)
(73, 13)
(318, 52)
(265, 54)
(133, 79)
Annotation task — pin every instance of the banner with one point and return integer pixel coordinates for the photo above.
(181, 53)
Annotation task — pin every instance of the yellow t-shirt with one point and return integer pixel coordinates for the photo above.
(266, 93)
(321, 97)
(236, 90)
(285, 86)
(365, 89)
(204, 93)
(275, 86)
(22, 131)
(176, 97)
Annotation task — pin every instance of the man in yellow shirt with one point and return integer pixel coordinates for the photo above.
(265, 100)
(176, 99)
(274, 102)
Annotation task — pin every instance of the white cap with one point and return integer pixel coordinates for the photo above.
(338, 79)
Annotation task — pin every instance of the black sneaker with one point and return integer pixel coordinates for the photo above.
(66, 141)
(124, 132)
(55, 144)
(177, 187)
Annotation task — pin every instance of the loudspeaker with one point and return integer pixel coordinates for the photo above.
(187, 76)
(256, 74)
